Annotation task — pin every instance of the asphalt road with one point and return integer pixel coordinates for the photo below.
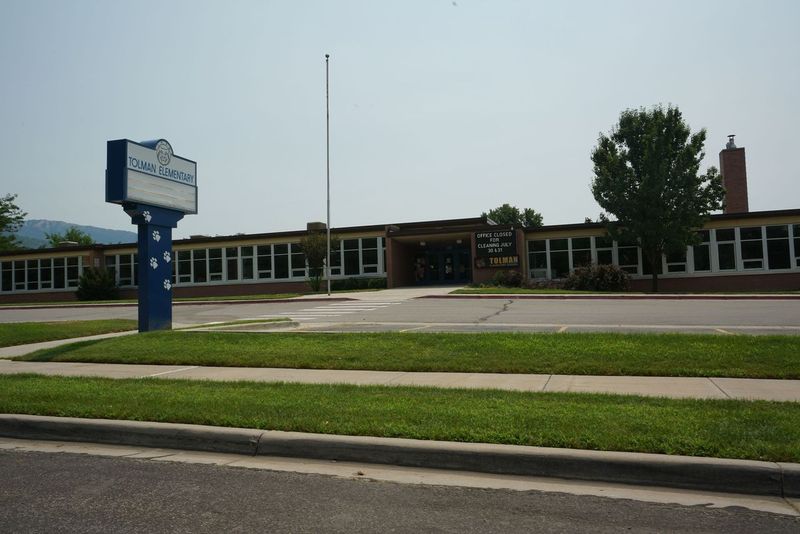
(714, 316)
(46, 492)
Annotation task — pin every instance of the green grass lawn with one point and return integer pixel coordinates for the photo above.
(23, 333)
(579, 353)
(720, 428)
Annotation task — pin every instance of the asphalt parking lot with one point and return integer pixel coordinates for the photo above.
(396, 311)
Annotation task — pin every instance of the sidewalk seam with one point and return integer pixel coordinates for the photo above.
(710, 379)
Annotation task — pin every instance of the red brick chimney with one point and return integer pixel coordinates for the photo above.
(734, 178)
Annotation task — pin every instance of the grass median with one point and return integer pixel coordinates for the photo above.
(719, 428)
(23, 333)
(583, 354)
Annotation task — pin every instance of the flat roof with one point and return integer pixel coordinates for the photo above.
(391, 229)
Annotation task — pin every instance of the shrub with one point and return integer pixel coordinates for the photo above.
(377, 283)
(598, 278)
(97, 284)
(352, 284)
(507, 279)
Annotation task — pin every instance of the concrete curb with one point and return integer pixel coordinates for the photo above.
(612, 297)
(708, 474)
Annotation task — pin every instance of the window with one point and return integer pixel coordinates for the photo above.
(19, 275)
(33, 274)
(752, 248)
(59, 272)
(628, 254)
(232, 263)
(559, 258)
(336, 258)
(581, 251)
(110, 263)
(676, 261)
(74, 271)
(298, 260)
(247, 262)
(778, 247)
(281, 260)
(6, 276)
(369, 254)
(215, 264)
(605, 247)
(702, 252)
(184, 265)
(726, 249)
(46, 274)
(125, 263)
(351, 260)
(796, 233)
(537, 258)
(264, 261)
(200, 266)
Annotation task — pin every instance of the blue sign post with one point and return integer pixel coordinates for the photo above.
(156, 189)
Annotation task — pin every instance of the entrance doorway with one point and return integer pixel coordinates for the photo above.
(448, 265)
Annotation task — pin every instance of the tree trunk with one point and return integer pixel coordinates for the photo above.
(654, 268)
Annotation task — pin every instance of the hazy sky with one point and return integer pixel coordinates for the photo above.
(439, 109)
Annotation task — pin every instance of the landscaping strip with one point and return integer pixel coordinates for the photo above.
(12, 334)
(607, 354)
(753, 430)
(709, 474)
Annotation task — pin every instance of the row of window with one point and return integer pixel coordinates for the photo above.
(775, 247)
(33, 275)
(284, 261)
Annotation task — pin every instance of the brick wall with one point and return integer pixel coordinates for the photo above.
(734, 178)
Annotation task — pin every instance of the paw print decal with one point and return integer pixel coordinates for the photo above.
(147, 216)
(156, 236)
(154, 263)
(167, 284)
(167, 256)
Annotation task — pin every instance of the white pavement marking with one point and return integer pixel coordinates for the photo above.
(723, 331)
(334, 309)
(173, 371)
(562, 329)
(415, 328)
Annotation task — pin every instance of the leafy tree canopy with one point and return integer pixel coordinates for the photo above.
(508, 214)
(646, 175)
(315, 248)
(73, 234)
(11, 218)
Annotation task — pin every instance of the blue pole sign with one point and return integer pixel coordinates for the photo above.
(156, 189)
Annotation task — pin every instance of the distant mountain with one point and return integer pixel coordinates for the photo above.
(32, 233)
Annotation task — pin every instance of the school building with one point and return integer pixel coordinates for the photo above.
(739, 250)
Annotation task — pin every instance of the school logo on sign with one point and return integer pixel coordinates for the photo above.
(164, 152)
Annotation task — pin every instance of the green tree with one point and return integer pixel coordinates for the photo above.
(11, 218)
(97, 284)
(315, 248)
(73, 234)
(646, 175)
(508, 214)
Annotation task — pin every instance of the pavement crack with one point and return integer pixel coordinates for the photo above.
(506, 305)
(719, 388)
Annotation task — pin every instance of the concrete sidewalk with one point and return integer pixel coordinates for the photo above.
(673, 387)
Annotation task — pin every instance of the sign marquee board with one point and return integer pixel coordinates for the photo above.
(156, 189)
(150, 174)
(496, 249)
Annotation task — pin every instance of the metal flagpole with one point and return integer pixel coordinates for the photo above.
(328, 173)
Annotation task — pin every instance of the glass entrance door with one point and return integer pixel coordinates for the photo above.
(443, 267)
